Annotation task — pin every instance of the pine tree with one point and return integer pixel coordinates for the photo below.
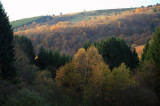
(146, 55)
(26, 46)
(50, 57)
(56, 58)
(115, 51)
(86, 45)
(154, 52)
(134, 59)
(145, 50)
(6, 47)
(155, 47)
(42, 58)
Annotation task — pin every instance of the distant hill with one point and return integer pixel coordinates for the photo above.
(75, 17)
(68, 32)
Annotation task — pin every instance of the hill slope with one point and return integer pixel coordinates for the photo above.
(67, 33)
(25, 21)
(75, 17)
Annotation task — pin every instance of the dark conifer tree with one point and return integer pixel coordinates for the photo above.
(155, 47)
(115, 51)
(146, 55)
(56, 58)
(48, 58)
(134, 59)
(86, 45)
(7, 70)
(26, 46)
(42, 61)
(154, 53)
(145, 50)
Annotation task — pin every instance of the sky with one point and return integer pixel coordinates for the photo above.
(18, 9)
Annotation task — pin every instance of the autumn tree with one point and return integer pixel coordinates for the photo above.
(120, 77)
(145, 76)
(6, 47)
(119, 80)
(84, 76)
(89, 81)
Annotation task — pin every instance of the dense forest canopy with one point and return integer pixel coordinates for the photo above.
(115, 51)
(81, 59)
(134, 25)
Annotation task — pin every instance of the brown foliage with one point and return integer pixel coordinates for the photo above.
(139, 50)
(68, 36)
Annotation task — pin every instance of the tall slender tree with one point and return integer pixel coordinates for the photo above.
(42, 58)
(7, 70)
(134, 59)
(155, 47)
(145, 50)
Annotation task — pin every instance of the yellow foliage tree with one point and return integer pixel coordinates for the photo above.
(88, 80)
(120, 78)
(119, 24)
(84, 76)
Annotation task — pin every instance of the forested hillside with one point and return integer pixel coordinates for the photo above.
(87, 61)
(133, 25)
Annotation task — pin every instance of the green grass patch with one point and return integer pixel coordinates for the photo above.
(25, 21)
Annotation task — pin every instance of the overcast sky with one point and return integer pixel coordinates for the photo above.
(18, 9)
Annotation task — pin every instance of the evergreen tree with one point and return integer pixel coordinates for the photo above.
(134, 59)
(86, 45)
(144, 54)
(154, 52)
(42, 58)
(155, 47)
(6, 47)
(48, 58)
(63, 59)
(56, 58)
(26, 46)
(115, 51)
